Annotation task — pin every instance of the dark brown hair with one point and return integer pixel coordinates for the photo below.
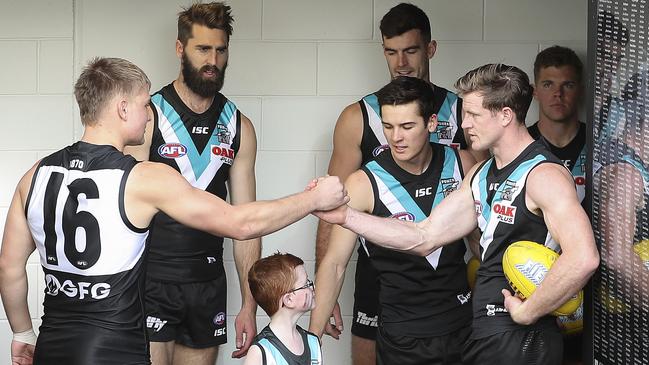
(215, 15)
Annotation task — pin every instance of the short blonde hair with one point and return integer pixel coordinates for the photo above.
(101, 80)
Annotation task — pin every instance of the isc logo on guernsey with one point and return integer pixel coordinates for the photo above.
(172, 150)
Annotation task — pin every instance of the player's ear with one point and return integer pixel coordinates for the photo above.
(431, 124)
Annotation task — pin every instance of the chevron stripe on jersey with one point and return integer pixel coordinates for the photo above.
(198, 167)
(503, 197)
(398, 200)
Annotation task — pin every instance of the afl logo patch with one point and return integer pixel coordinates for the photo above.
(380, 149)
(219, 318)
(172, 150)
(404, 216)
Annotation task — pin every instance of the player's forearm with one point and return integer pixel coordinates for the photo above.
(329, 281)
(567, 276)
(246, 253)
(391, 233)
(13, 288)
(322, 241)
(260, 218)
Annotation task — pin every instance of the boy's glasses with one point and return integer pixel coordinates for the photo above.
(309, 284)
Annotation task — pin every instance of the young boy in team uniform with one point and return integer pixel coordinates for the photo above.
(280, 285)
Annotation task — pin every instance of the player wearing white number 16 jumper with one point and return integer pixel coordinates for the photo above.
(87, 209)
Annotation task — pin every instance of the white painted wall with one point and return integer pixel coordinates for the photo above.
(294, 65)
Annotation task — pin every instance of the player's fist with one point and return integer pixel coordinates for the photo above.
(330, 192)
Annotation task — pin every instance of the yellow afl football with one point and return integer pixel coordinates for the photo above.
(573, 323)
(525, 265)
(472, 270)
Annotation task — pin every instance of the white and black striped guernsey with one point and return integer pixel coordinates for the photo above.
(419, 296)
(448, 108)
(202, 147)
(92, 257)
(503, 218)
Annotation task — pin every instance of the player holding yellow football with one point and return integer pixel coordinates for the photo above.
(522, 193)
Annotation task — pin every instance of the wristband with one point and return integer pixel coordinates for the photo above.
(28, 337)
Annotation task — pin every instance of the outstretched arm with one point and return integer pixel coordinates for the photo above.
(17, 245)
(569, 226)
(242, 190)
(452, 219)
(198, 209)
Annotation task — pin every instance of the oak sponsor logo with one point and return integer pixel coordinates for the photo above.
(81, 289)
(505, 213)
(225, 154)
(172, 150)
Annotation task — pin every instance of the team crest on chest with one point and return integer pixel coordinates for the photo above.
(444, 130)
(223, 134)
(449, 185)
(508, 190)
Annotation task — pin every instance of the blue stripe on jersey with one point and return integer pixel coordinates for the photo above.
(274, 352)
(314, 346)
(450, 161)
(482, 184)
(398, 190)
(444, 114)
(373, 101)
(226, 114)
(516, 175)
(445, 111)
(199, 161)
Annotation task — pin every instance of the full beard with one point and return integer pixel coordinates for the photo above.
(197, 83)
